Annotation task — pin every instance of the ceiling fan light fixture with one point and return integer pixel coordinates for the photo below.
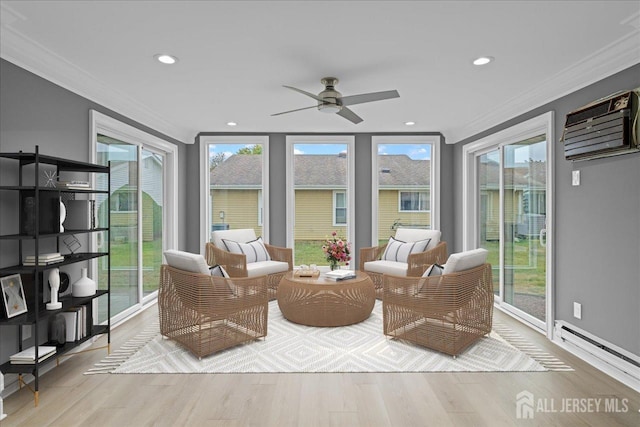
(483, 60)
(329, 108)
(166, 59)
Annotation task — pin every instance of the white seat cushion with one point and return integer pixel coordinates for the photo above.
(187, 261)
(266, 267)
(415, 234)
(465, 260)
(387, 267)
(242, 235)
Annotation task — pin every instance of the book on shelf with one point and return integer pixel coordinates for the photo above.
(73, 184)
(80, 215)
(32, 263)
(341, 275)
(28, 355)
(43, 257)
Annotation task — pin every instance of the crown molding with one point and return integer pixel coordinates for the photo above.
(35, 58)
(615, 57)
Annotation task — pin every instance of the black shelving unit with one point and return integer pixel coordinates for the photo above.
(37, 313)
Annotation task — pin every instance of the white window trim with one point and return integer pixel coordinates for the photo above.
(100, 123)
(260, 209)
(411, 211)
(350, 141)
(435, 141)
(543, 123)
(335, 206)
(205, 209)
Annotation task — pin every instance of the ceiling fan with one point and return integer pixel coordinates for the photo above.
(332, 101)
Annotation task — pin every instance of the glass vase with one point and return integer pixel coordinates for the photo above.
(334, 265)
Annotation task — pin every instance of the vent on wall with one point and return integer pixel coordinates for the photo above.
(606, 127)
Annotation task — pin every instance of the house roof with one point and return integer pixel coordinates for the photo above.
(531, 173)
(321, 171)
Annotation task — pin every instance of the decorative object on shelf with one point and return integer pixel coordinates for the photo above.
(50, 177)
(63, 215)
(54, 284)
(72, 243)
(84, 286)
(13, 295)
(58, 330)
(336, 251)
(64, 282)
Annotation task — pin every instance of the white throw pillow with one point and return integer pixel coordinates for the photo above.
(219, 271)
(254, 250)
(399, 251)
(433, 270)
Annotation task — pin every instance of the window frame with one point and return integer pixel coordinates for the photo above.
(418, 192)
(205, 208)
(434, 141)
(291, 141)
(336, 207)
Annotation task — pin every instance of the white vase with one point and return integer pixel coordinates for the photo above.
(63, 215)
(84, 286)
(54, 284)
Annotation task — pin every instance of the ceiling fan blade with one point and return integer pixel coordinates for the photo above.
(291, 111)
(316, 97)
(369, 97)
(349, 115)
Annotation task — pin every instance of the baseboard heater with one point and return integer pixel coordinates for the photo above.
(605, 352)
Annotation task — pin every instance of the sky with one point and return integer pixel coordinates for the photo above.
(414, 151)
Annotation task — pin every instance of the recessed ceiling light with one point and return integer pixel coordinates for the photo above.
(166, 59)
(232, 124)
(409, 123)
(483, 60)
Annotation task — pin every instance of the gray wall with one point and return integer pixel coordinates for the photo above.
(277, 191)
(34, 111)
(597, 226)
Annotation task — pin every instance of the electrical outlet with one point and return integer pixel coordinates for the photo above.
(577, 310)
(575, 178)
(26, 332)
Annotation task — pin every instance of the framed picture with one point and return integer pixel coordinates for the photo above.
(13, 295)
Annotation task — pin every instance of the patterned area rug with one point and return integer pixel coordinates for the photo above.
(290, 347)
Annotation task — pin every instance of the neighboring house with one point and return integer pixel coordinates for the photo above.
(524, 199)
(124, 207)
(320, 194)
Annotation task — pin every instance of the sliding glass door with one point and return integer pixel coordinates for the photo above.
(507, 213)
(142, 222)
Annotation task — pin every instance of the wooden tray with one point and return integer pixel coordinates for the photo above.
(306, 273)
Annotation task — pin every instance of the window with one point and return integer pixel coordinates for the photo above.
(234, 182)
(124, 201)
(404, 184)
(340, 208)
(320, 177)
(414, 201)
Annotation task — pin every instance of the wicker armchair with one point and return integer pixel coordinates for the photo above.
(417, 263)
(207, 314)
(236, 263)
(445, 313)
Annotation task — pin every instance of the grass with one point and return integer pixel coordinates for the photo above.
(528, 269)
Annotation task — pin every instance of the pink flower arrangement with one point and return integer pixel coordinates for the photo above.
(336, 250)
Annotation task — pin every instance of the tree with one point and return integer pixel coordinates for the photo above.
(215, 159)
(254, 149)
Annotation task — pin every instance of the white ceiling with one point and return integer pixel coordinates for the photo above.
(234, 58)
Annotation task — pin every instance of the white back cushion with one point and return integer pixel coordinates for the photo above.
(465, 260)
(415, 234)
(187, 261)
(242, 235)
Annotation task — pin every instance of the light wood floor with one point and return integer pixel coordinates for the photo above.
(69, 398)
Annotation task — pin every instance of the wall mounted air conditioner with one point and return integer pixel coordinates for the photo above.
(606, 127)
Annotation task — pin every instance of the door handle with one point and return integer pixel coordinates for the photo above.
(543, 237)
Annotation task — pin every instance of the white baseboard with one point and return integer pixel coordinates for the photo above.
(624, 371)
